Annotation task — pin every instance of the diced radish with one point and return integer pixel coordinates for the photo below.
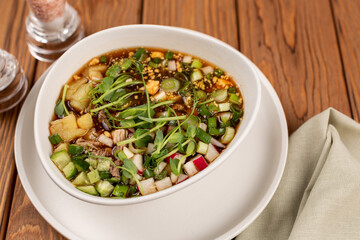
(173, 178)
(163, 184)
(160, 168)
(174, 156)
(187, 59)
(106, 140)
(169, 128)
(199, 162)
(160, 96)
(132, 180)
(203, 126)
(128, 153)
(138, 161)
(190, 168)
(172, 65)
(181, 178)
(148, 186)
(150, 148)
(212, 153)
(217, 143)
(207, 69)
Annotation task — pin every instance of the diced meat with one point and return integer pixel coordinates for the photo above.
(95, 147)
(119, 135)
(114, 170)
(153, 86)
(87, 143)
(178, 107)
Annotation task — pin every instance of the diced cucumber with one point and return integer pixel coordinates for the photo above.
(104, 174)
(88, 189)
(70, 170)
(103, 165)
(120, 190)
(104, 188)
(228, 136)
(224, 107)
(93, 162)
(202, 147)
(61, 159)
(81, 179)
(80, 164)
(61, 146)
(94, 176)
(203, 136)
(196, 75)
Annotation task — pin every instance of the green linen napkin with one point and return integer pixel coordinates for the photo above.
(319, 194)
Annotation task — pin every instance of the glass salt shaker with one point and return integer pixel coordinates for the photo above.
(52, 27)
(13, 83)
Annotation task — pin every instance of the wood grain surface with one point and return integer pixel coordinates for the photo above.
(294, 44)
(308, 50)
(346, 18)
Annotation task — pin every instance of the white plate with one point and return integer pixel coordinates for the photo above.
(219, 206)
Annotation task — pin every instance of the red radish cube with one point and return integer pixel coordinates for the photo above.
(199, 162)
(211, 153)
(138, 161)
(174, 156)
(181, 178)
(190, 168)
(163, 184)
(148, 186)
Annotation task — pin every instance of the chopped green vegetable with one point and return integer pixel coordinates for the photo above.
(55, 139)
(120, 190)
(218, 72)
(234, 98)
(126, 64)
(216, 131)
(212, 122)
(169, 55)
(170, 85)
(113, 71)
(204, 111)
(75, 149)
(103, 59)
(196, 63)
(203, 136)
(148, 173)
(196, 75)
(139, 55)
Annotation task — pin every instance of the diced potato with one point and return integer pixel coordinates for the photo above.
(73, 87)
(153, 86)
(95, 75)
(85, 121)
(62, 146)
(67, 128)
(80, 99)
(157, 55)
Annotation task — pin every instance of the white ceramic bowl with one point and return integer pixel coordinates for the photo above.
(178, 39)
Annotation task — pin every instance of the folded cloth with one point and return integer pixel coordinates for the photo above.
(319, 194)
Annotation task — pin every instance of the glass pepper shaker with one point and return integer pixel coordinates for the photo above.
(52, 27)
(13, 83)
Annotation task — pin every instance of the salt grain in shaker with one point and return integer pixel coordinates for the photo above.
(13, 83)
(52, 27)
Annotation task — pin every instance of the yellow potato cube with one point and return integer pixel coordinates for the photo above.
(73, 87)
(157, 55)
(67, 128)
(80, 99)
(85, 121)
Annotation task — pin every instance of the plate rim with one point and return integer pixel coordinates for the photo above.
(234, 231)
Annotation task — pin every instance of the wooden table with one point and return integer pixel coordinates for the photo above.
(308, 49)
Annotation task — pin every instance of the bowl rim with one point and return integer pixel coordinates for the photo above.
(128, 201)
